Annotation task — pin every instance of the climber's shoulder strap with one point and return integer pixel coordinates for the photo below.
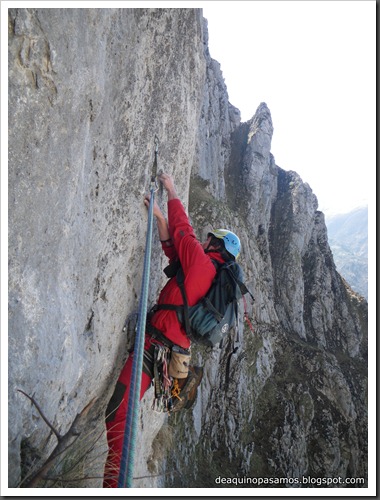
(185, 307)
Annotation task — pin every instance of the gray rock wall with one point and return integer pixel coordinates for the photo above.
(88, 91)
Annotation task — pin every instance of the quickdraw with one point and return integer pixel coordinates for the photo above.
(162, 382)
(154, 169)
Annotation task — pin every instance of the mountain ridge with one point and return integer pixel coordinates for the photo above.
(348, 236)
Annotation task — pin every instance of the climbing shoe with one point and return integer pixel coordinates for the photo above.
(184, 391)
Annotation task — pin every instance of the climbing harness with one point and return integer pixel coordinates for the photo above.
(132, 418)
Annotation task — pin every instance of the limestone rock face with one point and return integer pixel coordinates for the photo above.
(88, 91)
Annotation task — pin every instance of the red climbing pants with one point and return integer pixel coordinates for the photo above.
(115, 420)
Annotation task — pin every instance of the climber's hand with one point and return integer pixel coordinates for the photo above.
(168, 183)
(156, 209)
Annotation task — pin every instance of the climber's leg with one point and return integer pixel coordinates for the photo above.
(115, 421)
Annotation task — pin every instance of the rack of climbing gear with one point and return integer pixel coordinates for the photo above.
(130, 433)
(162, 382)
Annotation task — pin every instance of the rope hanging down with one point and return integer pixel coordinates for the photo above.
(131, 424)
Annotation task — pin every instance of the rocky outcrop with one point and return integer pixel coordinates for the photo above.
(290, 403)
(88, 91)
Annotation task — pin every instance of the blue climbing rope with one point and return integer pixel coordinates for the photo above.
(131, 424)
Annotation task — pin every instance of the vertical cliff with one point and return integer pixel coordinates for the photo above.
(88, 90)
(292, 402)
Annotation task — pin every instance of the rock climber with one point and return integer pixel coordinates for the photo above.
(163, 327)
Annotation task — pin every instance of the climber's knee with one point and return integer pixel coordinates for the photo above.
(115, 402)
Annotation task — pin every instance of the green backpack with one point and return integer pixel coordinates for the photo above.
(211, 319)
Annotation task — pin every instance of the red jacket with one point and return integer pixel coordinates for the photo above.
(198, 269)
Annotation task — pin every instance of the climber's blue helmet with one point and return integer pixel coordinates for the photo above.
(231, 241)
